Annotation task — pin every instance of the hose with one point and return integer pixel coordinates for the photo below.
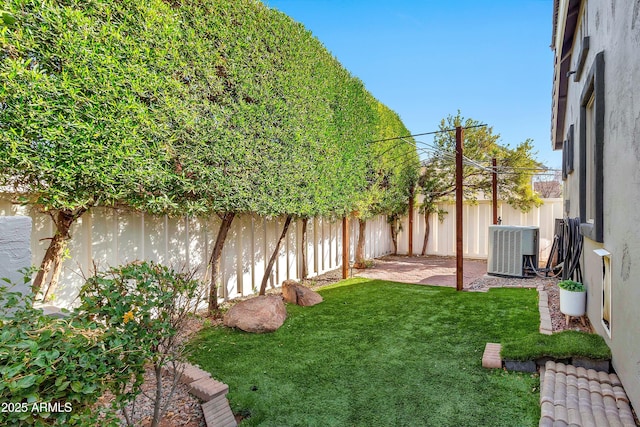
(568, 243)
(573, 250)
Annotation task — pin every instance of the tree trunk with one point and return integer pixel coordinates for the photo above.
(63, 220)
(361, 241)
(157, 412)
(216, 255)
(394, 236)
(305, 250)
(272, 260)
(57, 269)
(427, 229)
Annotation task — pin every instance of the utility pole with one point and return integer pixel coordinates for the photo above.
(459, 231)
(411, 222)
(494, 189)
(345, 247)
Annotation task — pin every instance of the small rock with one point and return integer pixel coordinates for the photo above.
(295, 293)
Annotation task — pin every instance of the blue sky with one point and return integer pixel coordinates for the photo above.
(428, 59)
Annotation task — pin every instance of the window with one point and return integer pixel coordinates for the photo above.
(591, 151)
(590, 165)
(567, 154)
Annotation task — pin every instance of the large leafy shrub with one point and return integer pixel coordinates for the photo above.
(208, 107)
(52, 371)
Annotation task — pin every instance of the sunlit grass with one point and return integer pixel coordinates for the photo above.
(558, 346)
(378, 353)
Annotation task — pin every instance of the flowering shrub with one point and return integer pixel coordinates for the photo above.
(141, 307)
(52, 371)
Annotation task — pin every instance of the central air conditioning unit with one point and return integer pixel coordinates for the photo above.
(512, 249)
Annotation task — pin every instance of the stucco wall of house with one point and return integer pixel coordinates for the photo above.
(613, 28)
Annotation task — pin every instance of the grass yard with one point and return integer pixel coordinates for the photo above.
(378, 353)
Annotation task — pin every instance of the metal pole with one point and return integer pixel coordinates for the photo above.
(459, 196)
(494, 189)
(345, 247)
(411, 223)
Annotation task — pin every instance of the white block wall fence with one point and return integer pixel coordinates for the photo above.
(108, 237)
(476, 220)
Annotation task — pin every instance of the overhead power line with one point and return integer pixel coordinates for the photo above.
(425, 133)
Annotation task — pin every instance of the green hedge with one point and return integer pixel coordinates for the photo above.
(170, 106)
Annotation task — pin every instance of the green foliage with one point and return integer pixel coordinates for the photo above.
(516, 166)
(7, 18)
(74, 132)
(181, 108)
(61, 363)
(129, 317)
(393, 168)
(572, 286)
(141, 307)
(559, 346)
(210, 106)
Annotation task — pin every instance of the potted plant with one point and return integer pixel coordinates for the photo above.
(573, 298)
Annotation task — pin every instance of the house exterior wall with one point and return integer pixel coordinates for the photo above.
(613, 28)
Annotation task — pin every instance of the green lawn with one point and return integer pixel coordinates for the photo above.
(378, 353)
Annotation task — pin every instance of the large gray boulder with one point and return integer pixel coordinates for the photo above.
(258, 315)
(295, 293)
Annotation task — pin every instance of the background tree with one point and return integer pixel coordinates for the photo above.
(393, 173)
(548, 184)
(516, 166)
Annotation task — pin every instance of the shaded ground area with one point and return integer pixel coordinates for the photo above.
(429, 270)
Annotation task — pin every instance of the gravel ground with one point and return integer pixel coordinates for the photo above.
(186, 411)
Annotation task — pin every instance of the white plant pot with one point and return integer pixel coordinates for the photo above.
(572, 303)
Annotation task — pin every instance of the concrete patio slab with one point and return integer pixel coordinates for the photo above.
(427, 270)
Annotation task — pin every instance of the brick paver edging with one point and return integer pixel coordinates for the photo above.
(545, 315)
(491, 357)
(216, 409)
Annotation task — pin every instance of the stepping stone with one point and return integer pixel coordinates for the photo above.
(546, 327)
(208, 388)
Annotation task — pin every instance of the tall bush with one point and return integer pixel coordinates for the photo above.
(209, 108)
(393, 172)
(52, 371)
